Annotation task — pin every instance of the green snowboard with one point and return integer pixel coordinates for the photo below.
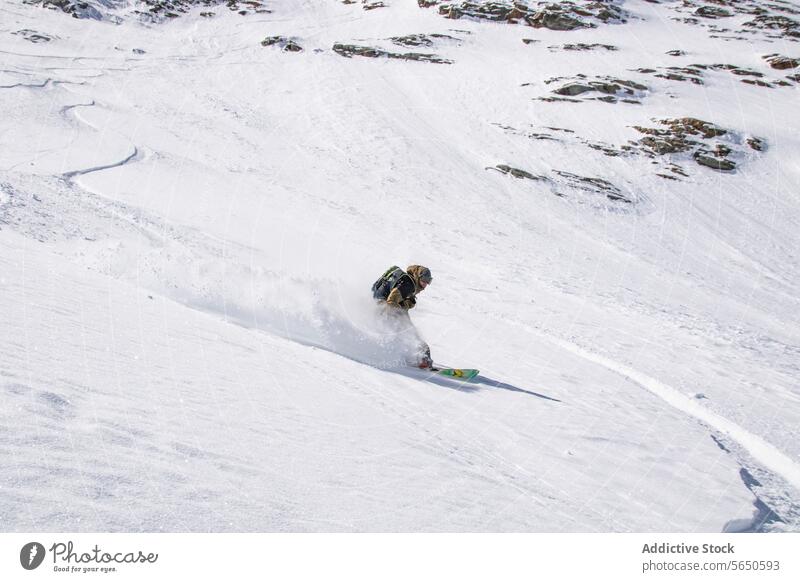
(456, 373)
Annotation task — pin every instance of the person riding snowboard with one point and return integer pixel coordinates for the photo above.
(398, 290)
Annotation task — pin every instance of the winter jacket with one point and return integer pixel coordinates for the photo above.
(404, 293)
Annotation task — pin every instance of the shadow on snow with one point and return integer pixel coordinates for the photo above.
(473, 385)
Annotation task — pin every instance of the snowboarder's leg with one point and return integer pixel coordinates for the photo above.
(425, 360)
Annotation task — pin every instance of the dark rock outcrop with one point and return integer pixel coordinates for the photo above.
(150, 10)
(695, 136)
(567, 15)
(33, 36)
(783, 25)
(712, 12)
(584, 47)
(781, 63)
(611, 89)
(517, 173)
(351, 50)
(595, 186)
(426, 40)
(285, 44)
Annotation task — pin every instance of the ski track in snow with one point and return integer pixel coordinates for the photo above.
(764, 452)
(133, 156)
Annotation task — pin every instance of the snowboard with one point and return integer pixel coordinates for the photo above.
(457, 373)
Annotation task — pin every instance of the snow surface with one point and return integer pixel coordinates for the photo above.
(189, 231)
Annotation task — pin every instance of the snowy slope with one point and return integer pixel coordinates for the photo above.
(190, 222)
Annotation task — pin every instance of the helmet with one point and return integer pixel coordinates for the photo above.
(420, 273)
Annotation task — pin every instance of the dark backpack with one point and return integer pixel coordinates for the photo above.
(388, 281)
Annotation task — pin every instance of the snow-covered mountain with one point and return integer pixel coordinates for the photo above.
(195, 198)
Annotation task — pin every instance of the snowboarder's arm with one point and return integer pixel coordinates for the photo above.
(396, 299)
(403, 294)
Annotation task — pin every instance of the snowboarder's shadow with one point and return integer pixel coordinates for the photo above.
(497, 384)
(474, 385)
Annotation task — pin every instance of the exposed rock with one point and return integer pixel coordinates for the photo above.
(75, 8)
(697, 137)
(573, 182)
(292, 47)
(607, 150)
(722, 165)
(757, 82)
(415, 40)
(694, 73)
(558, 99)
(675, 74)
(594, 185)
(285, 44)
(731, 68)
(528, 134)
(685, 126)
(373, 5)
(573, 89)
(611, 88)
(495, 11)
(712, 12)
(530, 40)
(787, 26)
(675, 53)
(517, 173)
(781, 63)
(567, 15)
(583, 47)
(350, 50)
(554, 19)
(33, 36)
(150, 10)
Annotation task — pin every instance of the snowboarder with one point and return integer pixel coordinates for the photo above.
(398, 289)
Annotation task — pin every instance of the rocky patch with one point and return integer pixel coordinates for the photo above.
(517, 173)
(772, 20)
(368, 5)
(667, 144)
(149, 10)
(33, 36)
(569, 185)
(351, 50)
(682, 74)
(594, 186)
(75, 8)
(285, 44)
(695, 74)
(713, 12)
(781, 63)
(778, 26)
(570, 15)
(708, 144)
(607, 89)
(583, 47)
(426, 40)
